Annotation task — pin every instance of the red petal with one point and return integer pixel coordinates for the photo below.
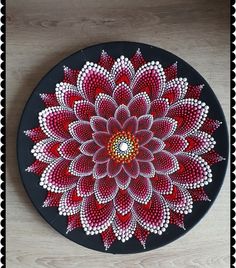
(81, 131)
(35, 134)
(147, 169)
(52, 199)
(123, 180)
(171, 72)
(177, 219)
(198, 194)
(106, 61)
(164, 128)
(98, 123)
(165, 162)
(37, 167)
(141, 234)
(73, 222)
(132, 169)
(70, 76)
(84, 110)
(101, 156)
(212, 157)
(137, 60)
(123, 202)
(69, 149)
(145, 122)
(155, 145)
(131, 124)
(113, 125)
(105, 189)
(159, 108)
(82, 165)
(143, 136)
(105, 106)
(99, 170)
(194, 91)
(139, 104)
(49, 99)
(89, 147)
(85, 186)
(144, 155)
(175, 144)
(122, 94)
(113, 168)
(108, 237)
(122, 113)
(162, 184)
(101, 138)
(210, 125)
(140, 189)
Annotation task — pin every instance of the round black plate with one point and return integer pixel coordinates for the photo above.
(29, 120)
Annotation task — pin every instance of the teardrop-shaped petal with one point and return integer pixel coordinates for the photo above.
(49, 99)
(70, 203)
(82, 165)
(70, 75)
(122, 94)
(144, 155)
(165, 162)
(123, 180)
(189, 115)
(105, 105)
(37, 167)
(171, 72)
(52, 199)
(210, 125)
(162, 184)
(147, 169)
(159, 108)
(193, 172)
(137, 60)
(163, 128)
(55, 121)
(145, 122)
(199, 142)
(141, 234)
(81, 131)
(89, 148)
(155, 145)
(73, 222)
(99, 170)
(69, 149)
(131, 124)
(85, 186)
(56, 176)
(84, 110)
(35, 134)
(154, 215)
(122, 70)
(143, 136)
(132, 168)
(140, 190)
(199, 194)
(175, 144)
(123, 202)
(139, 104)
(113, 125)
(150, 78)
(177, 219)
(122, 113)
(212, 157)
(101, 138)
(194, 91)
(98, 123)
(94, 80)
(105, 189)
(106, 61)
(108, 237)
(94, 216)
(113, 168)
(175, 89)
(101, 156)
(46, 150)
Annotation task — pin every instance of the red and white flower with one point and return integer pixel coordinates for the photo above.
(124, 148)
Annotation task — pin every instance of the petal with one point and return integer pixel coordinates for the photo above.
(93, 80)
(55, 121)
(113, 168)
(147, 169)
(131, 124)
(122, 70)
(143, 136)
(165, 162)
(141, 234)
(70, 203)
(212, 157)
(105, 189)
(69, 149)
(175, 89)
(84, 110)
(189, 115)
(194, 91)
(199, 143)
(101, 156)
(123, 180)
(123, 202)
(67, 94)
(124, 226)
(89, 148)
(122, 94)
(210, 125)
(198, 194)
(132, 168)
(52, 199)
(122, 113)
(49, 99)
(137, 60)
(73, 222)
(144, 155)
(152, 216)
(159, 108)
(57, 178)
(155, 145)
(179, 200)
(46, 150)
(177, 219)
(164, 128)
(35, 134)
(94, 216)
(145, 121)
(108, 237)
(98, 123)
(105, 105)
(106, 61)
(162, 184)
(82, 165)
(37, 167)
(70, 76)
(113, 125)
(171, 72)
(101, 138)
(140, 190)
(81, 131)
(99, 170)
(193, 172)
(175, 144)
(139, 104)
(150, 78)
(85, 186)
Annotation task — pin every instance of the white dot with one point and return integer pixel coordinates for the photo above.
(123, 146)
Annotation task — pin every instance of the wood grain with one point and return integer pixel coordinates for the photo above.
(41, 33)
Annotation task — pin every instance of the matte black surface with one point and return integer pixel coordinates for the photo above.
(29, 120)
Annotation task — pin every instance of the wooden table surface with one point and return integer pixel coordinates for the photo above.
(41, 33)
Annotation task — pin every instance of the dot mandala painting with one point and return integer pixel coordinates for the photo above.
(122, 147)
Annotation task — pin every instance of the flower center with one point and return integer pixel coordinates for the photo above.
(123, 147)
